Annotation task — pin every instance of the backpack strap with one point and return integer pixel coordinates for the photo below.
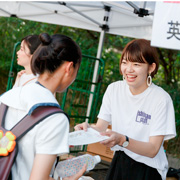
(3, 110)
(29, 121)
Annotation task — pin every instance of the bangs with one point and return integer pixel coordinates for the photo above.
(140, 51)
(133, 54)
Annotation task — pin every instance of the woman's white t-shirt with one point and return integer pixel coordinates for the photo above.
(150, 113)
(48, 137)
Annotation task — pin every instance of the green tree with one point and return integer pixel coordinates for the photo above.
(170, 61)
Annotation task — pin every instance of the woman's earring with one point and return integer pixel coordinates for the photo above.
(149, 79)
(124, 78)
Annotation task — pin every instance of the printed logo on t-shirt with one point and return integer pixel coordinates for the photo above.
(143, 118)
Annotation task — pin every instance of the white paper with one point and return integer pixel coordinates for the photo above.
(82, 137)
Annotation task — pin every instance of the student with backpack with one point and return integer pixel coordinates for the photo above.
(57, 61)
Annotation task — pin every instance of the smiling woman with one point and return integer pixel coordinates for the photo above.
(141, 114)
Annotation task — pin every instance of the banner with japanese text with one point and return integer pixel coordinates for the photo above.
(166, 25)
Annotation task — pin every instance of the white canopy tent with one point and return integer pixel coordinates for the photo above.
(131, 19)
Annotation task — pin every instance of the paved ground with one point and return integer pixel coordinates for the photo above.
(99, 172)
(173, 162)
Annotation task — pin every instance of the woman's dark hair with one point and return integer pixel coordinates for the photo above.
(32, 42)
(140, 50)
(53, 52)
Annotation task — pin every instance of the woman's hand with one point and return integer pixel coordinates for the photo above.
(149, 149)
(20, 73)
(82, 126)
(114, 138)
(78, 175)
(100, 126)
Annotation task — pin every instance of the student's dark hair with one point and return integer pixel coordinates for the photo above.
(53, 52)
(140, 50)
(32, 42)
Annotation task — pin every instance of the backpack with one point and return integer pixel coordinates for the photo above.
(19, 130)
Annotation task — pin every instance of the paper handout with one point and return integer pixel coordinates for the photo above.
(82, 137)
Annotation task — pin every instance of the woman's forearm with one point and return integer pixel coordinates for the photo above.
(149, 149)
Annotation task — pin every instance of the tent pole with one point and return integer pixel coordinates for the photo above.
(105, 28)
(99, 54)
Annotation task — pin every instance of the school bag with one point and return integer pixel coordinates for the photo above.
(18, 131)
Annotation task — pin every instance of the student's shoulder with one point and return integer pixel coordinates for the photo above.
(57, 119)
(33, 88)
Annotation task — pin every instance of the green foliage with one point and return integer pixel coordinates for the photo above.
(170, 61)
(14, 29)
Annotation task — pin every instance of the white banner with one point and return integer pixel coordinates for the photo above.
(166, 25)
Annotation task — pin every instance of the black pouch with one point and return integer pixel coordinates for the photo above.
(172, 172)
